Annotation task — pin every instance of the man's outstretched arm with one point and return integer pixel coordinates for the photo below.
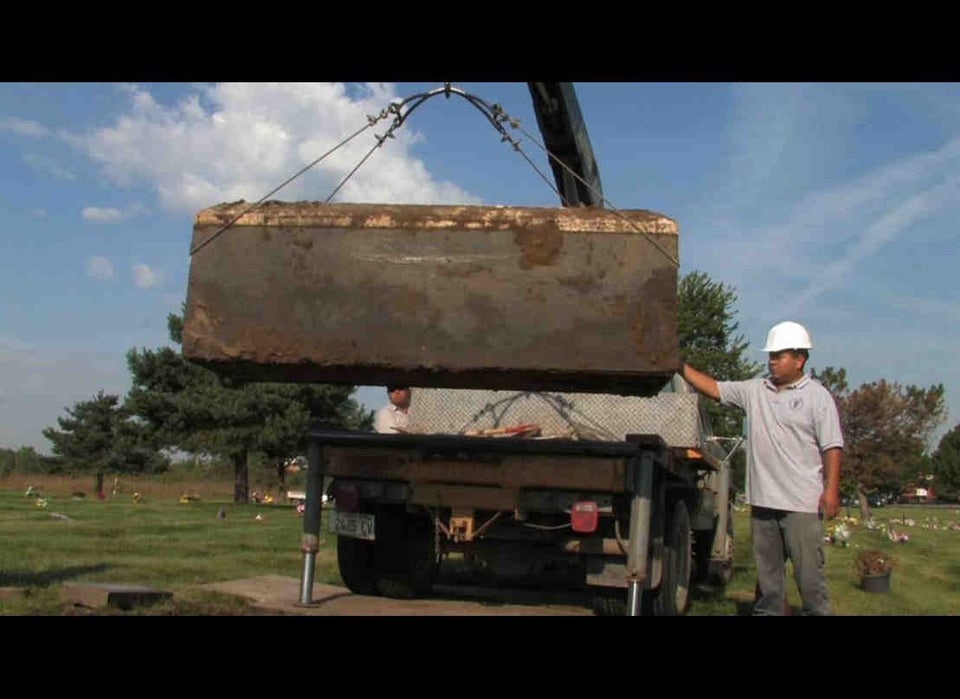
(703, 383)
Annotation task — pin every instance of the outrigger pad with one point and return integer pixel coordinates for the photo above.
(574, 299)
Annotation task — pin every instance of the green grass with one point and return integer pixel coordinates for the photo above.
(157, 542)
(162, 543)
(925, 579)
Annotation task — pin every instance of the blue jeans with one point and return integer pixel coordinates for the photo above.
(779, 535)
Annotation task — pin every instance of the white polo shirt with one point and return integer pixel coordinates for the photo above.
(787, 432)
(390, 419)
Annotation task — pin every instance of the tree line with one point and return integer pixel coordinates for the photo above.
(176, 405)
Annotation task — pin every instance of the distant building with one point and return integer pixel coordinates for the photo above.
(914, 493)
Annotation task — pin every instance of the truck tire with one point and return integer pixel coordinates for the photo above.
(405, 554)
(717, 572)
(673, 595)
(610, 601)
(723, 571)
(355, 560)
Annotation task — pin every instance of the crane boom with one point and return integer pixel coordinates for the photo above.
(565, 135)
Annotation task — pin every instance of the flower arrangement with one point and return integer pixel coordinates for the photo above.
(897, 536)
(838, 534)
(873, 562)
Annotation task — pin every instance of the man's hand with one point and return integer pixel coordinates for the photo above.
(830, 499)
(702, 383)
(829, 505)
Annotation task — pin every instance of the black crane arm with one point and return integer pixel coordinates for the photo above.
(565, 135)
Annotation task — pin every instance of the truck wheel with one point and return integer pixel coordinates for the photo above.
(355, 560)
(702, 547)
(724, 570)
(405, 554)
(716, 572)
(610, 601)
(673, 595)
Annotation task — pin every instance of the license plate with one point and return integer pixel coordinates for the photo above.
(358, 525)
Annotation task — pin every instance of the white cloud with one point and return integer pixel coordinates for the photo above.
(145, 277)
(12, 344)
(820, 241)
(99, 268)
(45, 165)
(23, 127)
(38, 213)
(874, 191)
(801, 232)
(891, 223)
(242, 140)
(97, 214)
(939, 312)
(764, 130)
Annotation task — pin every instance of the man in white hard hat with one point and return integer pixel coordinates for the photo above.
(794, 444)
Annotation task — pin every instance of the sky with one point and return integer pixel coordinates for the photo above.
(832, 204)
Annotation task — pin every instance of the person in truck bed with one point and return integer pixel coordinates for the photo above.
(794, 444)
(394, 417)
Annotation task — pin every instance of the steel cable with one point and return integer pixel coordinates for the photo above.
(494, 114)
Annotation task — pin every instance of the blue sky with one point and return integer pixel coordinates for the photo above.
(834, 204)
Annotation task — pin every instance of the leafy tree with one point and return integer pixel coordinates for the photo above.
(198, 411)
(86, 442)
(8, 461)
(834, 380)
(22, 460)
(136, 450)
(708, 338)
(945, 464)
(886, 427)
(286, 431)
(98, 437)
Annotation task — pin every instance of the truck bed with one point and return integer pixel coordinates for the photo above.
(673, 414)
(479, 461)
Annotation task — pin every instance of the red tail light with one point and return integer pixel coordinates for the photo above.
(584, 516)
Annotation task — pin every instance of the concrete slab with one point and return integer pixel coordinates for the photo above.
(485, 297)
(122, 596)
(280, 594)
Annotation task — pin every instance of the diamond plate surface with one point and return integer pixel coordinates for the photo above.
(673, 416)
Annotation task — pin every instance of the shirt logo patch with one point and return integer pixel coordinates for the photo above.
(796, 403)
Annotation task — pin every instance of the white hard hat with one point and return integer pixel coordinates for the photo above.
(787, 335)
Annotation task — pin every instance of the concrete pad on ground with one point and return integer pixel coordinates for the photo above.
(11, 592)
(123, 596)
(281, 594)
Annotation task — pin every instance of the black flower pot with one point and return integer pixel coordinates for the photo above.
(877, 583)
